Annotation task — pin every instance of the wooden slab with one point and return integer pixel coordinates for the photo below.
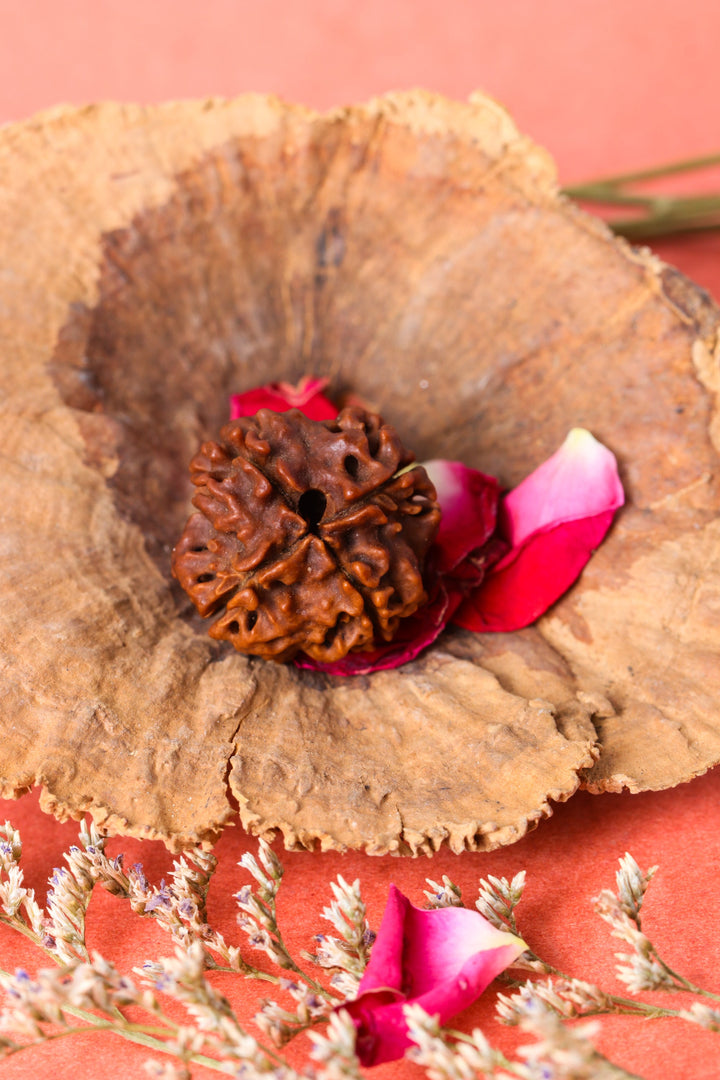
(416, 251)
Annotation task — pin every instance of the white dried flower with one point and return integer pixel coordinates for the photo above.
(445, 895)
(704, 1015)
(345, 986)
(44, 999)
(281, 1024)
(512, 1008)
(559, 1051)
(642, 969)
(347, 913)
(348, 954)
(568, 998)
(182, 977)
(584, 996)
(270, 875)
(643, 972)
(12, 893)
(448, 1061)
(257, 919)
(167, 1070)
(632, 885)
(499, 898)
(10, 845)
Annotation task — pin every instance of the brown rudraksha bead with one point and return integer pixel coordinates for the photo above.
(310, 535)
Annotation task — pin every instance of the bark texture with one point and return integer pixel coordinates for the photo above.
(416, 251)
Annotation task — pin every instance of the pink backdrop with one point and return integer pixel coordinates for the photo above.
(605, 85)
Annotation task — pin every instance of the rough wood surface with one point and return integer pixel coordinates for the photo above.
(416, 251)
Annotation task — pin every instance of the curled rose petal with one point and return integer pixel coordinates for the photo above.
(279, 397)
(441, 959)
(469, 501)
(553, 521)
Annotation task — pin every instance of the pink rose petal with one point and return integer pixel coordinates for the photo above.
(580, 480)
(441, 959)
(281, 396)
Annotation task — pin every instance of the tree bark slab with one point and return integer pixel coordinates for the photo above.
(416, 251)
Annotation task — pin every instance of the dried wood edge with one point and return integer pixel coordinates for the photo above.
(574, 738)
(696, 309)
(467, 836)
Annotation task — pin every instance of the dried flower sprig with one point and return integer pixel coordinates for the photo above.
(347, 955)
(86, 992)
(445, 895)
(558, 1053)
(643, 968)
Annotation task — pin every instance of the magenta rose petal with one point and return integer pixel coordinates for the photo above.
(553, 521)
(441, 959)
(523, 585)
(307, 396)
(385, 967)
(469, 502)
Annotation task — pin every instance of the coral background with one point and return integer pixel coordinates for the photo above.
(606, 85)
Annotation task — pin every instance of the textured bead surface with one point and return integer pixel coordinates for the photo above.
(310, 535)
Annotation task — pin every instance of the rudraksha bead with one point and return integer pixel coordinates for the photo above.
(310, 535)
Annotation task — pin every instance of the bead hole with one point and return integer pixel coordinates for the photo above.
(351, 464)
(311, 507)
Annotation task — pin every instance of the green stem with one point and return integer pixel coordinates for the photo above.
(276, 980)
(684, 985)
(252, 973)
(639, 175)
(627, 1007)
(639, 232)
(312, 983)
(136, 1033)
(290, 965)
(661, 215)
(143, 1034)
(16, 923)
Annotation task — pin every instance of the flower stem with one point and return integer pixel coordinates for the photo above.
(16, 923)
(136, 1033)
(659, 215)
(685, 985)
(152, 1036)
(656, 172)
